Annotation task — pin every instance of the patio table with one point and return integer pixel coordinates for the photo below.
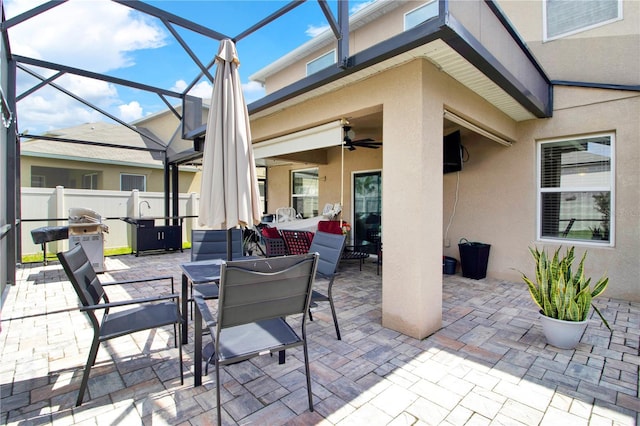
(199, 272)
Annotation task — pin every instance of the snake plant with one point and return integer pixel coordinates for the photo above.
(558, 291)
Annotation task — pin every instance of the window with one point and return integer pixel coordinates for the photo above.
(565, 17)
(131, 182)
(38, 181)
(304, 192)
(90, 181)
(421, 14)
(321, 62)
(261, 172)
(575, 189)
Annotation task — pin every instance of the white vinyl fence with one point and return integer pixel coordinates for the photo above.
(40, 205)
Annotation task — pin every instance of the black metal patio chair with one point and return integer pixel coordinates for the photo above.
(145, 314)
(255, 298)
(208, 244)
(330, 248)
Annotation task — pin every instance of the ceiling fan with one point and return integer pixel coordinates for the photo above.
(351, 144)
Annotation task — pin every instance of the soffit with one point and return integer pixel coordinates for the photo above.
(442, 56)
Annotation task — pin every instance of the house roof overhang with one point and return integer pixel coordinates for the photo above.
(471, 41)
(498, 67)
(451, 46)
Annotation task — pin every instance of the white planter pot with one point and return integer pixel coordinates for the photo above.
(562, 334)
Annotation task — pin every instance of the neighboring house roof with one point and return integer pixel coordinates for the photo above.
(103, 133)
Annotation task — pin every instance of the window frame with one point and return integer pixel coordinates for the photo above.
(318, 58)
(540, 190)
(94, 180)
(295, 196)
(545, 29)
(422, 6)
(144, 179)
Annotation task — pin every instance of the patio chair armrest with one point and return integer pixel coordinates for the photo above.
(205, 313)
(141, 280)
(129, 302)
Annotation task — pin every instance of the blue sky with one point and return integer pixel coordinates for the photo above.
(105, 37)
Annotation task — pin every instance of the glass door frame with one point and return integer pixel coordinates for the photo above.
(354, 223)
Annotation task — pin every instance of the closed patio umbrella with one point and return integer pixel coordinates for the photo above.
(229, 194)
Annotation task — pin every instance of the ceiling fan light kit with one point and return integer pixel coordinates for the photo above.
(351, 144)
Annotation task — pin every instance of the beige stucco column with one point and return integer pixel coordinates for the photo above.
(412, 206)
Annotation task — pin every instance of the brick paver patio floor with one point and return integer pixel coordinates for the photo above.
(489, 364)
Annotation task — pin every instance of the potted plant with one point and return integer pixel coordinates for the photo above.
(564, 296)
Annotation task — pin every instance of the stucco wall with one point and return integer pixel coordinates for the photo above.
(386, 26)
(605, 54)
(497, 189)
(413, 97)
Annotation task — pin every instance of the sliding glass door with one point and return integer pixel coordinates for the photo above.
(367, 209)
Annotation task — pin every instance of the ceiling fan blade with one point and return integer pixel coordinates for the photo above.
(349, 146)
(364, 143)
(373, 144)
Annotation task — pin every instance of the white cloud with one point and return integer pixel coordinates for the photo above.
(49, 108)
(131, 111)
(70, 34)
(202, 89)
(252, 91)
(179, 86)
(359, 6)
(313, 30)
(53, 112)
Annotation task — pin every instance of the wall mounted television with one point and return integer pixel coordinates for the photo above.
(452, 153)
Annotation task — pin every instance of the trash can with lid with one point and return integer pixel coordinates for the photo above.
(474, 257)
(449, 265)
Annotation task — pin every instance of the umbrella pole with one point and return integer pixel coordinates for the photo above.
(229, 244)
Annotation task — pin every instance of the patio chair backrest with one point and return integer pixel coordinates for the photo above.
(260, 289)
(273, 241)
(207, 244)
(297, 242)
(83, 277)
(329, 247)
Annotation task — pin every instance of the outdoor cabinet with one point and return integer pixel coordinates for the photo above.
(147, 236)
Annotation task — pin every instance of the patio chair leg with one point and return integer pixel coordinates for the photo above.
(333, 310)
(310, 316)
(93, 352)
(306, 368)
(335, 319)
(219, 408)
(175, 335)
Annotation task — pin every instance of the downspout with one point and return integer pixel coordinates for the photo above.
(166, 189)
